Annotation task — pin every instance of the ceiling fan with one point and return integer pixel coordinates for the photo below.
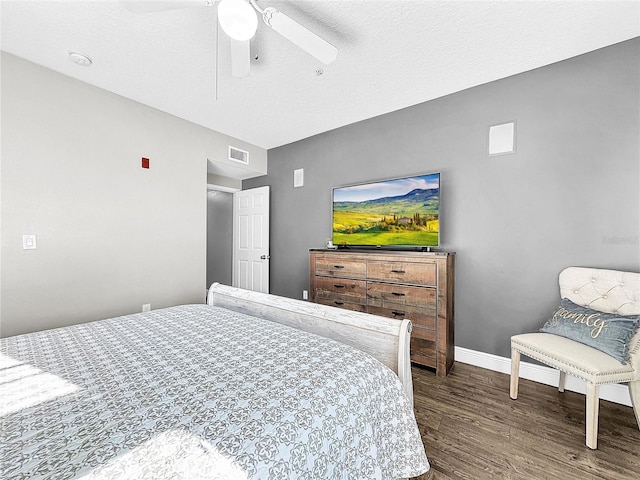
(239, 21)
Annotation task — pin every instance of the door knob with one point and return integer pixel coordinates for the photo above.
(264, 257)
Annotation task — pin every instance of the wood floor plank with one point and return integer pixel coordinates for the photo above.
(448, 455)
(473, 430)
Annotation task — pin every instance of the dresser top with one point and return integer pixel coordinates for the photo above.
(382, 251)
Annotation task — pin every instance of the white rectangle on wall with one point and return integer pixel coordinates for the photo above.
(502, 138)
(298, 178)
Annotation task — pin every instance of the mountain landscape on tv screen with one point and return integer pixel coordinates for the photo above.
(409, 219)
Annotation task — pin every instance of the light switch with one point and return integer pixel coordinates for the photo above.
(29, 242)
(298, 178)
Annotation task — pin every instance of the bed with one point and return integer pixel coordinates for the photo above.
(249, 386)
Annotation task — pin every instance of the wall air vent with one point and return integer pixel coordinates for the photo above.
(238, 155)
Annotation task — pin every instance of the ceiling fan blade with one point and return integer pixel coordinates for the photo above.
(299, 35)
(150, 6)
(240, 58)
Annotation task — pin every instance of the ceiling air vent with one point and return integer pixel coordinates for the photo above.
(238, 155)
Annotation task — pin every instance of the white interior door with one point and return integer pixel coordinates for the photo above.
(251, 239)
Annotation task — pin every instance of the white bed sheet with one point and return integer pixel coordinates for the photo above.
(200, 392)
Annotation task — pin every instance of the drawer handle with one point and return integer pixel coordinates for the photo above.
(338, 303)
(397, 294)
(397, 314)
(397, 271)
(338, 286)
(338, 266)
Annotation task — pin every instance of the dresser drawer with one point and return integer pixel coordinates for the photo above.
(418, 304)
(339, 267)
(382, 294)
(343, 289)
(333, 302)
(409, 272)
(423, 346)
(418, 318)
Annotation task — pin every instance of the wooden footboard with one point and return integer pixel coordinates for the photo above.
(386, 339)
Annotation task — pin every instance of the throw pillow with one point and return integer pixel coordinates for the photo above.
(608, 332)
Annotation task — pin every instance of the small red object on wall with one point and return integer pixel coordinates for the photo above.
(145, 162)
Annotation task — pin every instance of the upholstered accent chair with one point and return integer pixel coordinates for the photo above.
(609, 291)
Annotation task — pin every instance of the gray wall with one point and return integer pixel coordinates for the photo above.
(569, 196)
(111, 236)
(219, 237)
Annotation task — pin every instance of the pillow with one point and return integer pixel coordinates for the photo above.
(608, 332)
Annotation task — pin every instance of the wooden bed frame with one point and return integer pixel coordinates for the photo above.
(386, 339)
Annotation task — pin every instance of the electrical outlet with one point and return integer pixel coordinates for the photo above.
(146, 307)
(305, 295)
(29, 242)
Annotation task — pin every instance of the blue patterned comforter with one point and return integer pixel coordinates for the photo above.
(199, 392)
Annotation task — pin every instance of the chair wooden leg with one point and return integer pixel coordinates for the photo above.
(515, 372)
(634, 393)
(593, 403)
(563, 377)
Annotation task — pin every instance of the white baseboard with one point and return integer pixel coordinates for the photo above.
(616, 393)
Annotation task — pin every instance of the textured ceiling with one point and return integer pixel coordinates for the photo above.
(392, 54)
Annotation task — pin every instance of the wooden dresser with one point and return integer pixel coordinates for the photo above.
(413, 285)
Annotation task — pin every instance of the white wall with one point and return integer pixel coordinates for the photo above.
(111, 236)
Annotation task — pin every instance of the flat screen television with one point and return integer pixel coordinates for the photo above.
(401, 212)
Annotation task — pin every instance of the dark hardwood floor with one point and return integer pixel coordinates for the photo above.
(473, 430)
